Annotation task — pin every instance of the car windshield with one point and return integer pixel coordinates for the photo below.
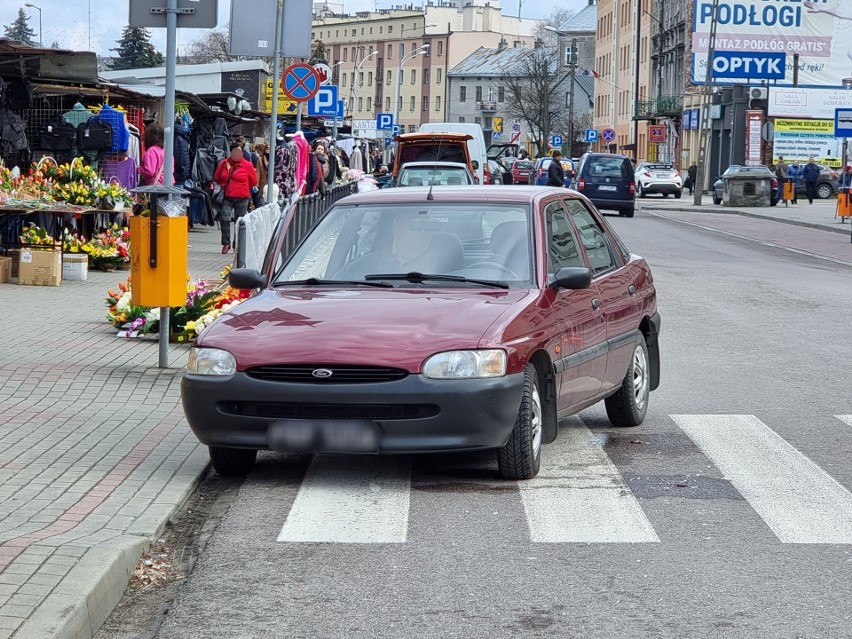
(482, 240)
(438, 176)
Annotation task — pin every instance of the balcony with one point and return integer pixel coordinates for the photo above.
(663, 106)
(486, 106)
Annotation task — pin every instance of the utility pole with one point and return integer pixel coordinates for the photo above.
(572, 70)
(705, 109)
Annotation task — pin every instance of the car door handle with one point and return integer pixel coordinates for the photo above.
(596, 303)
(631, 289)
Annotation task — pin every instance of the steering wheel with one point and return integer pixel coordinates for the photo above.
(505, 270)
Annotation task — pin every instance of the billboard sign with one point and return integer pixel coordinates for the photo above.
(800, 139)
(819, 104)
(817, 31)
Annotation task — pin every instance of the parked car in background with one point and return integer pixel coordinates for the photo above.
(538, 175)
(434, 174)
(499, 173)
(607, 179)
(473, 320)
(719, 183)
(657, 177)
(521, 171)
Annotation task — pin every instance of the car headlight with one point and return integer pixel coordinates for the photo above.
(466, 364)
(211, 361)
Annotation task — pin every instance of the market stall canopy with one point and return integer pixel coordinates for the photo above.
(16, 58)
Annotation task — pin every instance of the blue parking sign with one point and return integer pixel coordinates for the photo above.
(384, 121)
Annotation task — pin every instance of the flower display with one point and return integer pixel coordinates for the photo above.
(36, 235)
(205, 301)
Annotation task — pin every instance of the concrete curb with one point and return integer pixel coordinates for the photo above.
(812, 225)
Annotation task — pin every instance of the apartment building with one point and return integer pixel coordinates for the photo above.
(370, 52)
(623, 65)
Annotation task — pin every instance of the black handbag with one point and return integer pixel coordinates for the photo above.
(57, 135)
(94, 135)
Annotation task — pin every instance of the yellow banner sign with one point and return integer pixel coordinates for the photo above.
(804, 126)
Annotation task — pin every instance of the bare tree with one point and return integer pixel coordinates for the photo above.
(213, 46)
(535, 95)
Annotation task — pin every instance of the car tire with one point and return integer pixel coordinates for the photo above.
(520, 458)
(232, 462)
(677, 195)
(628, 406)
(824, 191)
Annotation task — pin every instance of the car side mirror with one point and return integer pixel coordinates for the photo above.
(246, 279)
(572, 277)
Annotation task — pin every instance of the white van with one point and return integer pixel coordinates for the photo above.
(476, 145)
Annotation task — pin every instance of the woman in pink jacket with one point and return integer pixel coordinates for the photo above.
(151, 168)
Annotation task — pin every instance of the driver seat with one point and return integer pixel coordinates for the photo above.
(510, 247)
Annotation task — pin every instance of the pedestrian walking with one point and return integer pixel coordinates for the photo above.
(555, 172)
(238, 179)
(781, 175)
(691, 176)
(794, 177)
(811, 174)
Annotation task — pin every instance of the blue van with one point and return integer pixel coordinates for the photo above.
(607, 179)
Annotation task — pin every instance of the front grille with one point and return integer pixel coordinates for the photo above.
(378, 412)
(339, 374)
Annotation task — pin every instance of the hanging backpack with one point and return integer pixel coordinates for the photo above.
(94, 135)
(13, 135)
(57, 135)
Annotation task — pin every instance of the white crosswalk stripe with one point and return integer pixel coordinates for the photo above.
(579, 495)
(798, 500)
(345, 500)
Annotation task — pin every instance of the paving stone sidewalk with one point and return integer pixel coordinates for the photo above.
(95, 453)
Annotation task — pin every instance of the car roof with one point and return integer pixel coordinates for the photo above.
(513, 194)
(436, 163)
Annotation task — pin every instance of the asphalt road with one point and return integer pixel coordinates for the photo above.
(728, 513)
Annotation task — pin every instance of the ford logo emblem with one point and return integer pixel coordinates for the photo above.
(322, 373)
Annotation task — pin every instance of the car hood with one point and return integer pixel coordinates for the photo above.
(382, 327)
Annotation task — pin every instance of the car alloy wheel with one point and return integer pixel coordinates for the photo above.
(520, 458)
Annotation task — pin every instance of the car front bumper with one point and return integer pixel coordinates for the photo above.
(410, 415)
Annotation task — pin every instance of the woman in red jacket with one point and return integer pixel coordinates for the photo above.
(238, 180)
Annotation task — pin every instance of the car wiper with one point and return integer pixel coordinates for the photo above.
(315, 281)
(419, 278)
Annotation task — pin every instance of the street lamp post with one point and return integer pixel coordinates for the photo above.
(402, 60)
(353, 93)
(40, 38)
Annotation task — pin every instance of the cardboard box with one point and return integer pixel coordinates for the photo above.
(15, 255)
(40, 268)
(75, 267)
(5, 270)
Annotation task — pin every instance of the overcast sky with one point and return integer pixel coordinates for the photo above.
(69, 22)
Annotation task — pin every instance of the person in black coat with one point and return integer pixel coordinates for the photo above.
(555, 172)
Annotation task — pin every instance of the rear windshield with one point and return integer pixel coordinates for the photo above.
(609, 168)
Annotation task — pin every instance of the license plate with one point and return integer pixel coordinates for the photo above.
(324, 436)
(606, 188)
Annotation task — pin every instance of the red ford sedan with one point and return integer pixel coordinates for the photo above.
(416, 320)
